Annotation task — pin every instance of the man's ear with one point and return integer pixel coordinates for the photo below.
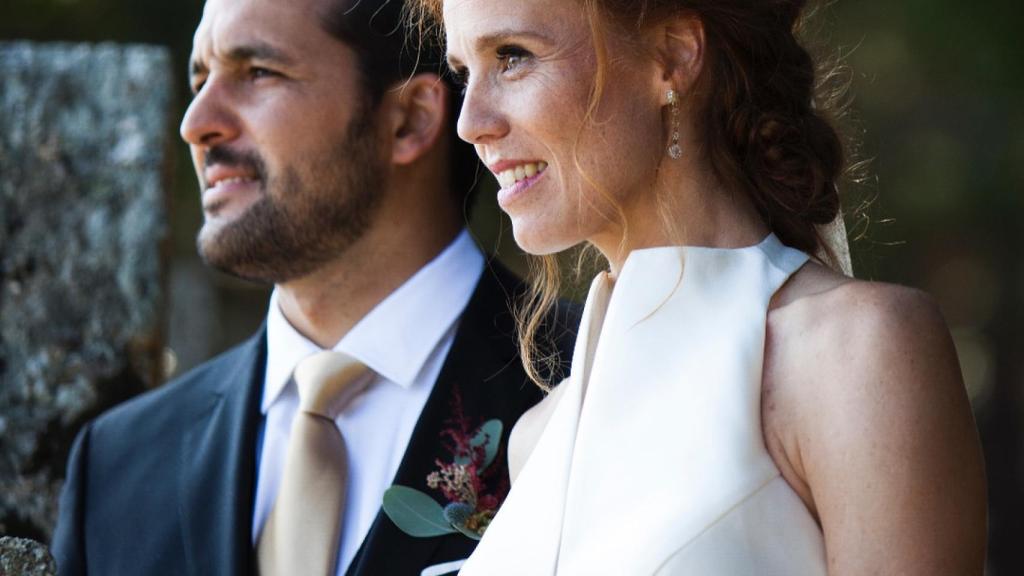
(418, 117)
(679, 43)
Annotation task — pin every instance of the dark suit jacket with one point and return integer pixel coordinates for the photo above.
(164, 484)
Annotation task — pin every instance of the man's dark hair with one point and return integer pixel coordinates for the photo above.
(389, 51)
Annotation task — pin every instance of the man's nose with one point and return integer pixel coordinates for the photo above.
(209, 119)
(481, 120)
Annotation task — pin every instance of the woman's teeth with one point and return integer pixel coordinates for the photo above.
(509, 177)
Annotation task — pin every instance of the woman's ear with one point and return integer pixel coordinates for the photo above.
(679, 43)
(418, 117)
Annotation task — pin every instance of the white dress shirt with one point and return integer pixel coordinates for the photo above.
(404, 341)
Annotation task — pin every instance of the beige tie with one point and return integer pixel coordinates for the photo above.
(301, 535)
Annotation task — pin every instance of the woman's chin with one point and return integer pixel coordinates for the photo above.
(541, 242)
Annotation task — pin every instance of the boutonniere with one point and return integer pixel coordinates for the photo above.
(464, 482)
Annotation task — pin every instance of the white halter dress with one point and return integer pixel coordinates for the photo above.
(653, 459)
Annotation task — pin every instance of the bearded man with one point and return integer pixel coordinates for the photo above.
(324, 148)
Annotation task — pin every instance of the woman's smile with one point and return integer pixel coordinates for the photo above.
(515, 179)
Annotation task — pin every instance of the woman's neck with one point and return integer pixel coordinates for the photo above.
(683, 211)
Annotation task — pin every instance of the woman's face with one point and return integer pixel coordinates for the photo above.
(530, 67)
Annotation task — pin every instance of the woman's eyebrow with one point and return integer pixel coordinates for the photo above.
(498, 38)
(507, 35)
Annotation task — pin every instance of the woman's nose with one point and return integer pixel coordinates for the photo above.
(481, 120)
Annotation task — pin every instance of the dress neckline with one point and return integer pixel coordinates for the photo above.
(770, 246)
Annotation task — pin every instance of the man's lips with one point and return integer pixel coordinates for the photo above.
(221, 184)
(233, 181)
(217, 175)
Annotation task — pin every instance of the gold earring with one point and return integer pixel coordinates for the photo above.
(675, 151)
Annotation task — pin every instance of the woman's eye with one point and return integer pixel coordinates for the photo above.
(460, 76)
(512, 57)
(256, 73)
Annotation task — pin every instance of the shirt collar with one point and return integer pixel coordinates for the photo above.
(397, 336)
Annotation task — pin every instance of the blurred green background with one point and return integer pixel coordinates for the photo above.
(937, 88)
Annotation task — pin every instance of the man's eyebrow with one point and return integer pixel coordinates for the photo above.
(245, 52)
(499, 37)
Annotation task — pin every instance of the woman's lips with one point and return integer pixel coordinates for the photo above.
(508, 173)
(509, 193)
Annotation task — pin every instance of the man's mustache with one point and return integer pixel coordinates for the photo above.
(247, 161)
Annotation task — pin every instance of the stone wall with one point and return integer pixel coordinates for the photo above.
(84, 162)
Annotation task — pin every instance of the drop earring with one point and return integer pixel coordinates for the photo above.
(674, 150)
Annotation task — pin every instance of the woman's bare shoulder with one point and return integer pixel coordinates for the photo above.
(827, 320)
(818, 298)
(836, 344)
(866, 415)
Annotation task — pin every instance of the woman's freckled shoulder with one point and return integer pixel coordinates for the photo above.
(826, 317)
(841, 353)
(835, 343)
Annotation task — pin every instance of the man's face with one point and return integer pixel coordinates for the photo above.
(284, 142)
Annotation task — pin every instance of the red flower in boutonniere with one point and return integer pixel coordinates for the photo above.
(463, 482)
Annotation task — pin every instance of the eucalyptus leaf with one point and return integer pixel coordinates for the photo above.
(488, 436)
(415, 513)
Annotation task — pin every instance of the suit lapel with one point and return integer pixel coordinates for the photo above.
(483, 369)
(218, 466)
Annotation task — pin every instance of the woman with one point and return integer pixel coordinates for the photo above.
(735, 406)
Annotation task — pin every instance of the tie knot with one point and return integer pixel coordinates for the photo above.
(326, 383)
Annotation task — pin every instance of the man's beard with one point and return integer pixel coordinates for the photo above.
(301, 220)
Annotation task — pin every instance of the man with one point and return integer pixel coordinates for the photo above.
(324, 154)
